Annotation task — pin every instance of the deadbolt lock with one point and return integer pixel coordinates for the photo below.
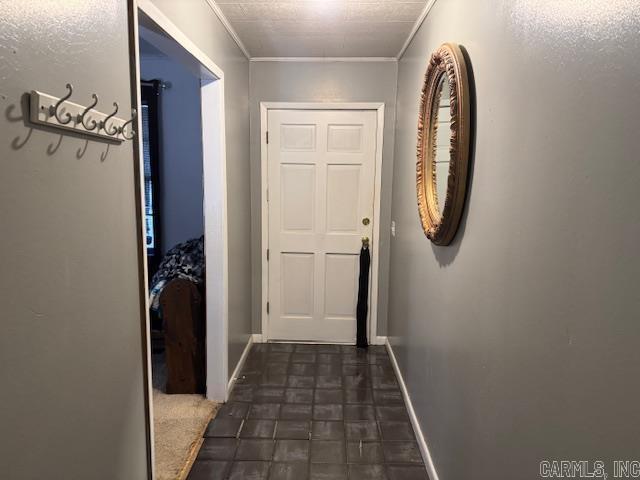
(366, 221)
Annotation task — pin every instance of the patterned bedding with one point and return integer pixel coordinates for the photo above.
(185, 260)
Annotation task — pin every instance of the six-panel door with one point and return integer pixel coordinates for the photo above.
(321, 173)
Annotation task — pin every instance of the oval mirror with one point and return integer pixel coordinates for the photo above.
(442, 136)
(443, 144)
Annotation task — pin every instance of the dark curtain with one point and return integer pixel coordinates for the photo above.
(151, 155)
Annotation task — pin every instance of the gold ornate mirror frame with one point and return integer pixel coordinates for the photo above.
(447, 61)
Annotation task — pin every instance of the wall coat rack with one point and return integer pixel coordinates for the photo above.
(59, 112)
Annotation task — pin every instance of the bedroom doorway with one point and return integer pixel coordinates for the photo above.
(174, 226)
(183, 226)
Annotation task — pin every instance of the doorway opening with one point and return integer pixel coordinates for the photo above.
(183, 222)
(174, 220)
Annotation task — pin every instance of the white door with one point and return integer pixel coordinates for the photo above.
(321, 173)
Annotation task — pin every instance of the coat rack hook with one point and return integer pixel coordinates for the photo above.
(134, 114)
(81, 117)
(54, 109)
(103, 124)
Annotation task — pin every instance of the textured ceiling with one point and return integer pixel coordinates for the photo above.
(322, 28)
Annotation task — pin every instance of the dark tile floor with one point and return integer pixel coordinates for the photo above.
(312, 412)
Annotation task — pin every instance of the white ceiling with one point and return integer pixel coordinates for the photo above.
(322, 28)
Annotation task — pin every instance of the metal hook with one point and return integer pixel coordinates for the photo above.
(53, 109)
(81, 117)
(103, 124)
(134, 114)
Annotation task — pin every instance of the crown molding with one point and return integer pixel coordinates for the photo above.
(416, 27)
(227, 25)
(323, 59)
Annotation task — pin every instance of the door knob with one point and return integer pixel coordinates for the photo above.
(366, 221)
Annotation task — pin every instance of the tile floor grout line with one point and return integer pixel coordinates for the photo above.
(356, 410)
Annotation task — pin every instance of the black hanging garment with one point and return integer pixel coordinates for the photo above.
(363, 297)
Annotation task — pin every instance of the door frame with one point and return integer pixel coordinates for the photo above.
(378, 107)
(214, 207)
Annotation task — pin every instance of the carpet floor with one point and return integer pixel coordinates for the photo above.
(179, 423)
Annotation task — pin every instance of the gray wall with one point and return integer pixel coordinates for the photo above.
(198, 21)
(71, 364)
(323, 82)
(181, 193)
(519, 342)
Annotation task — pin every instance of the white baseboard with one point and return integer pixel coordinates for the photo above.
(424, 448)
(240, 364)
(257, 338)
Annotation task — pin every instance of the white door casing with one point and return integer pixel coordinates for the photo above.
(147, 17)
(321, 183)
